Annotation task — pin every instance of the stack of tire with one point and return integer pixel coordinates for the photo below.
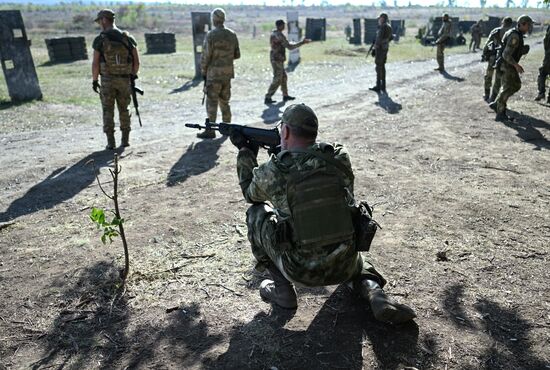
(66, 49)
(160, 43)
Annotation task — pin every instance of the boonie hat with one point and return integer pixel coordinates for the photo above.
(300, 116)
(105, 13)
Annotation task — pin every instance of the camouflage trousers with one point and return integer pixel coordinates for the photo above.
(115, 90)
(489, 73)
(440, 55)
(380, 67)
(511, 84)
(544, 71)
(262, 234)
(497, 83)
(279, 79)
(218, 93)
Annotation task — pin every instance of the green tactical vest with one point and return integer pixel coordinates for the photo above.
(319, 204)
(116, 56)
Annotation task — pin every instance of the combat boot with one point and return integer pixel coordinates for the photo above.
(486, 96)
(125, 138)
(207, 134)
(376, 88)
(288, 97)
(493, 105)
(268, 100)
(383, 308)
(278, 291)
(111, 144)
(539, 97)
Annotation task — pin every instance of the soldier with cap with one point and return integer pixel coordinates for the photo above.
(494, 43)
(544, 69)
(305, 235)
(476, 30)
(513, 48)
(381, 45)
(116, 59)
(279, 43)
(443, 35)
(220, 49)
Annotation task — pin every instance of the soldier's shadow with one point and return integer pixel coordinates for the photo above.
(272, 113)
(449, 76)
(529, 129)
(198, 158)
(292, 66)
(386, 102)
(62, 184)
(187, 86)
(334, 339)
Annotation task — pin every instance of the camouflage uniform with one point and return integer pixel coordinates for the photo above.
(475, 31)
(381, 46)
(494, 42)
(220, 49)
(511, 54)
(279, 43)
(114, 87)
(544, 69)
(443, 35)
(312, 266)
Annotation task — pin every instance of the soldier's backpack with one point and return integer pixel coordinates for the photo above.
(323, 211)
(116, 55)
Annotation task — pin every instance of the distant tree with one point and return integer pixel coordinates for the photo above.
(395, 3)
(510, 3)
(482, 3)
(524, 3)
(383, 3)
(452, 3)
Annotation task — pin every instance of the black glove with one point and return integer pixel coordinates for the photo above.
(133, 77)
(525, 50)
(95, 86)
(373, 53)
(240, 141)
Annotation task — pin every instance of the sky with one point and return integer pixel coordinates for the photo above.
(466, 3)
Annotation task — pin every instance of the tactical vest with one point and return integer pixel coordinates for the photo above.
(319, 203)
(116, 56)
(518, 52)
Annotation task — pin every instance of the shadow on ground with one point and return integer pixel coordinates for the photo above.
(272, 113)
(93, 327)
(61, 185)
(385, 102)
(529, 129)
(449, 76)
(333, 340)
(199, 158)
(7, 104)
(187, 86)
(291, 67)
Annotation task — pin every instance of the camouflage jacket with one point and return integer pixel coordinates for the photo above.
(220, 49)
(444, 32)
(279, 43)
(475, 30)
(383, 37)
(513, 44)
(547, 41)
(312, 266)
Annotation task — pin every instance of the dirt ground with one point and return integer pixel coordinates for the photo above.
(445, 179)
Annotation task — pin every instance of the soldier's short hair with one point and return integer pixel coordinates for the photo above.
(445, 15)
(279, 22)
(218, 15)
(507, 21)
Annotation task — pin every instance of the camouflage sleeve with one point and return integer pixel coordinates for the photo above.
(206, 55)
(250, 178)
(342, 155)
(237, 54)
(289, 45)
(383, 36)
(509, 50)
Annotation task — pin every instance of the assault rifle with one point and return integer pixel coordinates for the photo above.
(135, 90)
(369, 52)
(266, 138)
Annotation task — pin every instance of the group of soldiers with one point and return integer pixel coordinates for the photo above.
(303, 221)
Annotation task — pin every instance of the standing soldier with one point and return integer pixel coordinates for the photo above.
(475, 31)
(347, 31)
(279, 43)
(116, 59)
(443, 35)
(544, 69)
(493, 43)
(220, 49)
(513, 49)
(380, 50)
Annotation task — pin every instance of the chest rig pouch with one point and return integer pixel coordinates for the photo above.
(116, 56)
(318, 201)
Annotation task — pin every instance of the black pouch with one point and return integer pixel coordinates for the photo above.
(365, 226)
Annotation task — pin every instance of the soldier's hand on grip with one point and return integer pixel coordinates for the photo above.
(240, 141)
(95, 86)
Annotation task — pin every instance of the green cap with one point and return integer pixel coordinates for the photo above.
(300, 116)
(105, 13)
(525, 19)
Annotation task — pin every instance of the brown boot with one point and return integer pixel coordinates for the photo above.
(207, 134)
(111, 144)
(278, 291)
(383, 308)
(125, 138)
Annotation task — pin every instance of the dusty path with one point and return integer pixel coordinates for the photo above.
(444, 175)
